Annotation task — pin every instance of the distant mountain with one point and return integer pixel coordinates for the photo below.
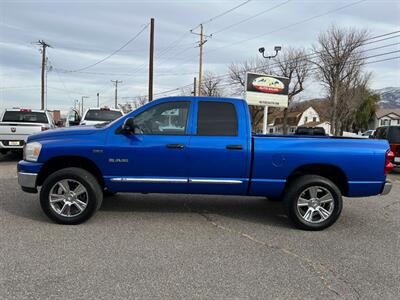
(390, 97)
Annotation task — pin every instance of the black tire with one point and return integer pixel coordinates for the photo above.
(296, 189)
(93, 188)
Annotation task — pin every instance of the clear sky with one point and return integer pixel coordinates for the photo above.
(84, 32)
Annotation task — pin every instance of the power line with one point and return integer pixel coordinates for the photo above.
(309, 55)
(289, 25)
(222, 14)
(382, 60)
(251, 17)
(374, 39)
(227, 84)
(221, 76)
(285, 27)
(112, 54)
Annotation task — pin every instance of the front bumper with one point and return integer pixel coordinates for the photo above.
(387, 187)
(28, 174)
(27, 179)
(8, 144)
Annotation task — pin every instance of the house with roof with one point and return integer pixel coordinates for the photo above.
(385, 117)
(308, 118)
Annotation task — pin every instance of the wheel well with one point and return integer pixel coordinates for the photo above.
(333, 173)
(62, 162)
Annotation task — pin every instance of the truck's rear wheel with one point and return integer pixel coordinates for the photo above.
(313, 202)
(70, 196)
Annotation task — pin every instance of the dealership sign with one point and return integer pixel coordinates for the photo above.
(266, 90)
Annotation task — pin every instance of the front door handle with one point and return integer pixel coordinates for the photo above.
(175, 146)
(234, 147)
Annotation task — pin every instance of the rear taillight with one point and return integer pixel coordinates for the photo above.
(388, 161)
(45, 128)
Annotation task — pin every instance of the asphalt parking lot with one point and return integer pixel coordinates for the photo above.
(168, 246)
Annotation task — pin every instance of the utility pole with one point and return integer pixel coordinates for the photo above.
(83, 97)
(151, 59)
(44, 45)
(98, 99)
(194, 86)
(201, 43)
(116, 91)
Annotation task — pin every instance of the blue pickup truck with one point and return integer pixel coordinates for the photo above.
(199, 145)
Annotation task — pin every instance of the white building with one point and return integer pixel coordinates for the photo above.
(385, 117)
(308, 118)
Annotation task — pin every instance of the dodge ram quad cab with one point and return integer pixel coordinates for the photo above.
(199, 145)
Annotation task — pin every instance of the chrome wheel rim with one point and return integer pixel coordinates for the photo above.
(315, 204)
(68, 198)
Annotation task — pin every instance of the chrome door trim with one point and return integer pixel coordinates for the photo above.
(215, 181)
(150, 180)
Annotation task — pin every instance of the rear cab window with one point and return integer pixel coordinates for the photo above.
(102, 115)
(217, 119)
(25, 117)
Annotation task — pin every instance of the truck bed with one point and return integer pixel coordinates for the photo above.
(275, 157)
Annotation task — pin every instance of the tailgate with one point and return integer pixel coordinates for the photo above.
(18, 131)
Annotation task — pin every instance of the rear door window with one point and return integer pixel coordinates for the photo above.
(217, 119)
(25, 116)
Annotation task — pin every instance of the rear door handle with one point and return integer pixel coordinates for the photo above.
(234, 147)
(175, 146)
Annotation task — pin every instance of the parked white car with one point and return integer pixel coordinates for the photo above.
(94, 116)
(17, 124)
(368, 134)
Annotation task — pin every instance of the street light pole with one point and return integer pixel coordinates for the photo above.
(262, 51)
(83, 97)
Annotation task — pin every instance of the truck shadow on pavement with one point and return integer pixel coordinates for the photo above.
(256, 210)
(10, 157)
(250, 209)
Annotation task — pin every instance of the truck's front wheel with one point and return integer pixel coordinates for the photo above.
(70, 196)
(313, 202)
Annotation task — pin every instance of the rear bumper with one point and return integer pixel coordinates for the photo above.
(387, 187)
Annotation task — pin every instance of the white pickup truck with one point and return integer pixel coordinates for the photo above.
(94, 116)
(17, 124)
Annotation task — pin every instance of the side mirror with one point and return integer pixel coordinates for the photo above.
(128, 127)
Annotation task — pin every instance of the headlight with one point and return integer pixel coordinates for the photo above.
(32, 151)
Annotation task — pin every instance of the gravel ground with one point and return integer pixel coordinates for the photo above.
(169, 246)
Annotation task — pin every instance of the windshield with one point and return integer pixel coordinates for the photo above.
(102, 115)
(394, 135)
(25, 116)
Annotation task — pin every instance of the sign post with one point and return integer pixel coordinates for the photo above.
(266, 90)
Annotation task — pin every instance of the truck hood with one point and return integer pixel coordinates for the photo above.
(63, 132)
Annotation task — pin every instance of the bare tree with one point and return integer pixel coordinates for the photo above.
(140, 101)
(291, 63)
(339, 66)
(211, 85)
